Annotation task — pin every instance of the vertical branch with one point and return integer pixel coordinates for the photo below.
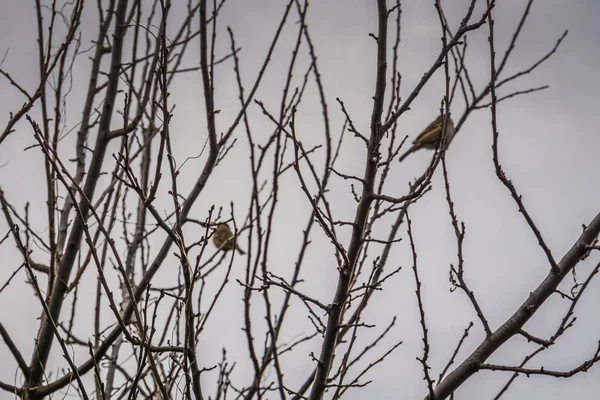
(50, 188)
(274, 327)
(139, 230)
(362, 212)
(45, 334)
(83, 131)
(421, 306)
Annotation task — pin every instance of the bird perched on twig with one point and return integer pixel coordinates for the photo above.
(431, 136)
(223, 239)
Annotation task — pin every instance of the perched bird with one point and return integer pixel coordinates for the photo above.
(223, 239)
(431, 136)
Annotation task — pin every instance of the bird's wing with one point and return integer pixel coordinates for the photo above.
(430, 136)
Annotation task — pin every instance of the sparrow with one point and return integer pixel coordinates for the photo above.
(431, 136)
(223, 239)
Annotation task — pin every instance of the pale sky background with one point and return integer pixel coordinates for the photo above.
(549, 147)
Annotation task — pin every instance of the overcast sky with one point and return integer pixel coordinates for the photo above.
(549, 148)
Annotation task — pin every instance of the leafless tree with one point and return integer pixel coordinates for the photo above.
(122, 205)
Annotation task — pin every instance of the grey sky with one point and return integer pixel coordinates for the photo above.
(549, 144)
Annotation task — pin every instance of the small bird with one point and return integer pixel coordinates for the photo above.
(223, 239)
(431, 136)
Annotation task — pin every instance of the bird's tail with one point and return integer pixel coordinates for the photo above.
(407, 153)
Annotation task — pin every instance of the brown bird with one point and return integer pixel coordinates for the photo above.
(431, 136)
(223, 239)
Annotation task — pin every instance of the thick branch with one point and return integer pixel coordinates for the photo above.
(516, 322)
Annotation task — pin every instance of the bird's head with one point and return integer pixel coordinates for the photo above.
(222, 227)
